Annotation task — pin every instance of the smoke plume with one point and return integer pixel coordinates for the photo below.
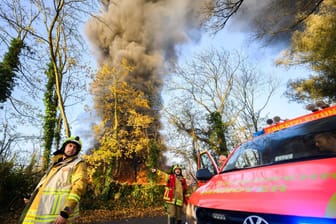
(146, 33)
(273, 21)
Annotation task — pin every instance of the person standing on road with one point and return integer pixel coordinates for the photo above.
(56, 197)
(175, 193)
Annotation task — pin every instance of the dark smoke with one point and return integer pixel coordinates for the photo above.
(146, 33)
(273, 21)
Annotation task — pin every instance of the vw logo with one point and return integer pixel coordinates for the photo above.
(253, 219)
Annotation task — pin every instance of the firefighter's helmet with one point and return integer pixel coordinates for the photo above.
(177, 166)
(73, 139)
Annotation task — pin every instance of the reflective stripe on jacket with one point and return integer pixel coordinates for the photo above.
(61, 187)
(175, 190)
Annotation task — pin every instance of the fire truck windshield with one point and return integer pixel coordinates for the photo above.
(314, 139)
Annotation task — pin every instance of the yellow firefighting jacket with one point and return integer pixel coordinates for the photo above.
(59, 190)
(175, 190)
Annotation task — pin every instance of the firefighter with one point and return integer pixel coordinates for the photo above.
(175, 193)
(56, 197)
(221, 160)
(326, 141)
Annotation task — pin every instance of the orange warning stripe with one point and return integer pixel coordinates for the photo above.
(302, 119)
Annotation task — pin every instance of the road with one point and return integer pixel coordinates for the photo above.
(12, 219)
(148, 220)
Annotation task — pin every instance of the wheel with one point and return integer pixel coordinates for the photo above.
(190, 214)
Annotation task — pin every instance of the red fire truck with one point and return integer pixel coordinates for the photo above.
(286, 175)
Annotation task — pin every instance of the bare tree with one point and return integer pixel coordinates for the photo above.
(61, 23)
(9, 138)
(16, 20)
(201, 87)
(5, 143)
(213, 99)
(253, 92)
(52, 35)
(268, 20)
(221, 11)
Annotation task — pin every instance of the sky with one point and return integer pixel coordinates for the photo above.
(264, 58)
(231, 37)
(149, 33)
(162, 26)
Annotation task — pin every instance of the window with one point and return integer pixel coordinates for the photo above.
(248, 158)
(207, 163)
(295, 143)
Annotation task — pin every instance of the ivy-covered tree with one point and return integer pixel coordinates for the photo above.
(50, 33)
(50, 117)
(122, 132)
(8, 68)
(217, 132)
(212, 102)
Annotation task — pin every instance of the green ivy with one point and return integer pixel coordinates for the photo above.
(8, 68)
(50, 118)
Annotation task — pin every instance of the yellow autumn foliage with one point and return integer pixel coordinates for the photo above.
(315, 44)
(125, 118)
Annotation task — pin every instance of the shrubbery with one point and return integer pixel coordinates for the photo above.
(15, 182)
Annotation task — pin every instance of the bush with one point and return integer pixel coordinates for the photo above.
(14, 183)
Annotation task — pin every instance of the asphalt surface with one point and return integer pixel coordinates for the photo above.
(148, 220)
